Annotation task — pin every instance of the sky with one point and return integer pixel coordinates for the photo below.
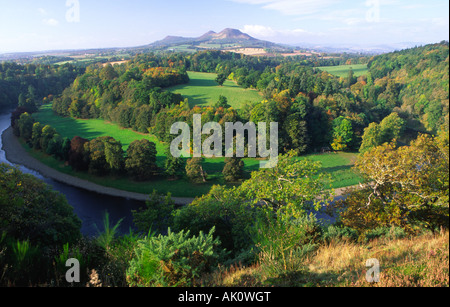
(41, 25)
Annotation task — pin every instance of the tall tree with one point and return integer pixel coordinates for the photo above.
(77, 157)
(114, 156)
(343, 134)
(141, 160)
(173, 166)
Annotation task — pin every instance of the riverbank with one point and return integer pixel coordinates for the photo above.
(16, 154)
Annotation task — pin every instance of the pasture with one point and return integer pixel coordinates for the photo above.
(203, 90)
(342, 70)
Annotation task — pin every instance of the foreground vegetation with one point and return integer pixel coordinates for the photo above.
(264, 232)
(417, 261)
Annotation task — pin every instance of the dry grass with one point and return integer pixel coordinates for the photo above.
(421, 261)
(116, 63)
(414, 262)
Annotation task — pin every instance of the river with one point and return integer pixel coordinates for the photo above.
(90, 207)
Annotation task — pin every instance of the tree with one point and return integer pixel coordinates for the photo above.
(48, 133)
(410, 186)
(94, 150)
(343, 135)
(297, 132)
(65, 149)
(391, 128)
(173, 166)
(36, 136)
(54, 146)
(233, 170)
(114, 156)
(77, 157)
(141, 160)
(350, 78)
(157, 216)
(223, 102)
(221, 78)
(30, 210)
(25, 126)
(372, 137)
(289, 190)
(108, 73)
(194, 170)
(22, 101)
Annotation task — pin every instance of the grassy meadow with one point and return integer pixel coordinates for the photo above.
(342, 70)
(203, 90)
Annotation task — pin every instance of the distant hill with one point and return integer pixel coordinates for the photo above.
(227, 36)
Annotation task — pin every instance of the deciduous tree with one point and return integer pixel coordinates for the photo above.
(141, 160)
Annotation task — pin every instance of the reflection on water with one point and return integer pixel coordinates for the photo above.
(89, 206)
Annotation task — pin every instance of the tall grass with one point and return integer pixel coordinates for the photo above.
(419, 261)
(109, 233)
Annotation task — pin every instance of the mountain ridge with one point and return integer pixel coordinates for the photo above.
(226, 36)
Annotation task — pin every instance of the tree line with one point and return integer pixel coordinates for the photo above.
(104, 156)
(28, 85)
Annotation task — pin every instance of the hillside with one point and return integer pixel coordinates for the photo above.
(229, 37)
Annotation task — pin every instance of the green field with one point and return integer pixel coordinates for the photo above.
(342, 70)
(339, 166)
(202, 90)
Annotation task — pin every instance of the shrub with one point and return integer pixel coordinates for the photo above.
(390, 233)
(233, 170)
(283, 243)
(174, 260)
(157, 214)
(339, 234)
(194, 170)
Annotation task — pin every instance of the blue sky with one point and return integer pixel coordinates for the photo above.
(34, 25)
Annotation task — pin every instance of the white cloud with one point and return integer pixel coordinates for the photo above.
(277, 35)
(259, 31)
(50, 22)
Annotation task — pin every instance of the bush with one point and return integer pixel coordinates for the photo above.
(283, 243)
(32, 211)
(194, 170)
(157, 215)
(339, 234)
(390, 233)
(174, 260)
(233, 170)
